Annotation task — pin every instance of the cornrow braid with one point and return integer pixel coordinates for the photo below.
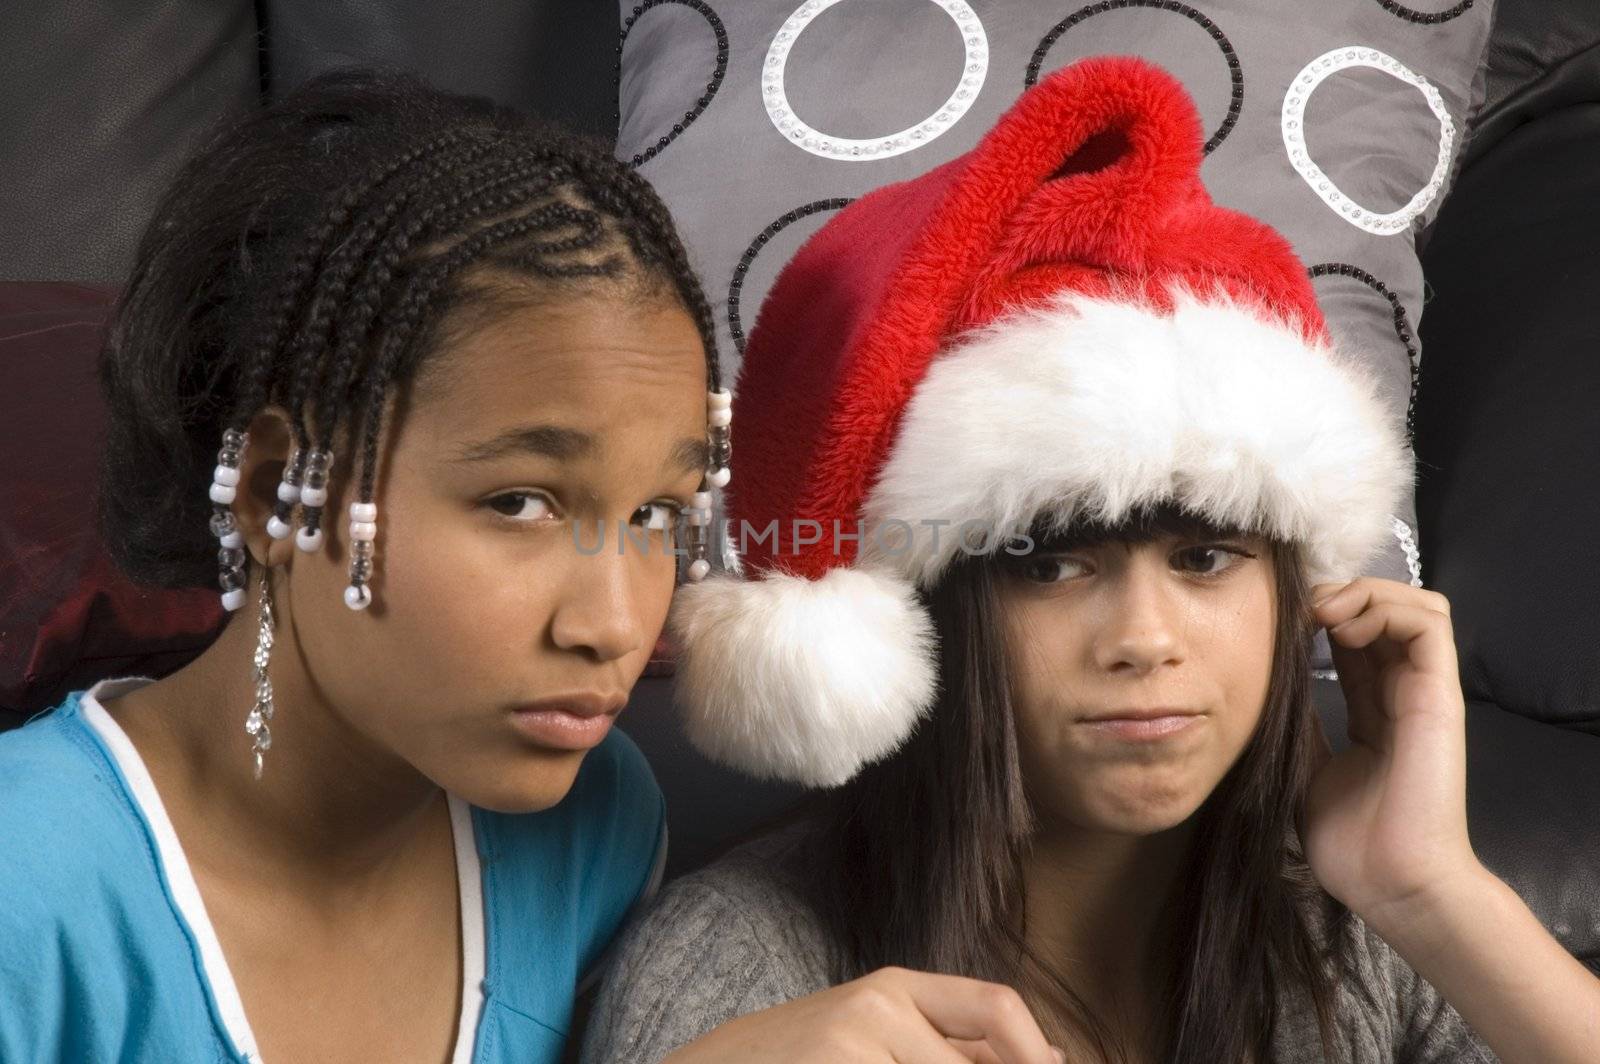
(415, 304)
(630, 196)
(319, 332)
(292, 295)
(301, 273)
(354, 330)
(657, 237)
(306, 258)
(460, 149)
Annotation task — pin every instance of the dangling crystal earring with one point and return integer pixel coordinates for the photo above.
(255, 724)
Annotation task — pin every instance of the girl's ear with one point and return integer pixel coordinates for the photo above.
(271, 441)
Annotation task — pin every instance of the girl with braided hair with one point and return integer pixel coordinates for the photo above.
(384, 816)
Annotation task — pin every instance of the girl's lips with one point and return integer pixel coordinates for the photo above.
(562, 729)
(1143, 729)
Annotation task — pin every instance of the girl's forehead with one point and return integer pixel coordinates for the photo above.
(539, 352)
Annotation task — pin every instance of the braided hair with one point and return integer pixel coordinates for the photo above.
(306, 257)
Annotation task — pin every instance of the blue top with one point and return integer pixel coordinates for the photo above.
(106, 954)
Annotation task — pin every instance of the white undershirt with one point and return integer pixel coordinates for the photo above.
(192, 909)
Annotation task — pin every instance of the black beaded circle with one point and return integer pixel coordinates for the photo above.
(1402, 328)
(712, 86)
(1235, 71)
(1425, 18)
(779, 224)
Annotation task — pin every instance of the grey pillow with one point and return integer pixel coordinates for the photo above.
(1338, 123)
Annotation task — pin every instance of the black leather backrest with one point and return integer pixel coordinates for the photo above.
(1543, 55)
(552, 58)
(1508, 428)
(100, 103)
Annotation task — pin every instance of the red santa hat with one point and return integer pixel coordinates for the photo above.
(1058, 324)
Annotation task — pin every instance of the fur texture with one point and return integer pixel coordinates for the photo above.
(1091, 407)
(1089, 183)
(803, 680)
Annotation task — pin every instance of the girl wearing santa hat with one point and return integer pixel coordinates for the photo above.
(1050, 475)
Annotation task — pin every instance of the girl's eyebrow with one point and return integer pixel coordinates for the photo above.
(564, 444)
(546, 441)
(691, 454)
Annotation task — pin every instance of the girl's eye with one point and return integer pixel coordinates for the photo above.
(522, 506)
(657, 516)
(1048, 570)
(1208, 560)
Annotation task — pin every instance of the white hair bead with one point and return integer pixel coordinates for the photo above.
(702, 500)
(278, 529)
(309, 540)
(719, 418)
(314, 496)
(228, 475)
(223, 494)
(233, 600)
(363, 511)
(288, 492)
(367, 530)
(358, 596)
(719, 478)
(232, 541)
(697, 518)
(720, 400)
(698, 570)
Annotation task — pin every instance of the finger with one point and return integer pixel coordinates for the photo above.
(1318, 592)
(925, 1044)
(1394, 632)
(1364, 720)
(1332, 603)
(969, 1009)
(976, 1052)
(980, 1053)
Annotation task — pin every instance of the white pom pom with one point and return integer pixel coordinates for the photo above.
(719, 418)
(223, 494)
(366, 530)
(232, 541)
(309, 540)
(698, 570)
(364, 511)
(803, 680)
(278, 529)
(225, 475)
(314, 496)
(357, 596)
(233, 600)
(722, 400)
(720, 478)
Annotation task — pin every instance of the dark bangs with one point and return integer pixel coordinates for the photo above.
(1144, 525)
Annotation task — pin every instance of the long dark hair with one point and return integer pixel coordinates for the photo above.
(920, 864)
(307, 257)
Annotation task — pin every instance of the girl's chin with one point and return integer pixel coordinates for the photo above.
(1122, 812)
(531, 785)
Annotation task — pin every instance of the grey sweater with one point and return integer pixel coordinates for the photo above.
(739, 936)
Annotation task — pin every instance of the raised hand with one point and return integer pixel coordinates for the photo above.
(892, 1016)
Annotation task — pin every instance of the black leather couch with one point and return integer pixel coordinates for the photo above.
(99, 103)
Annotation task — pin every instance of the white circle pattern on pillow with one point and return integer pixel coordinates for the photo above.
(1294, 138)
(975, 67)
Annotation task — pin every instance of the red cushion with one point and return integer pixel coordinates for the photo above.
(67, 617)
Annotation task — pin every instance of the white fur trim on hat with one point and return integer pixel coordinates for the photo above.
(1091, 408)
(803, 680)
